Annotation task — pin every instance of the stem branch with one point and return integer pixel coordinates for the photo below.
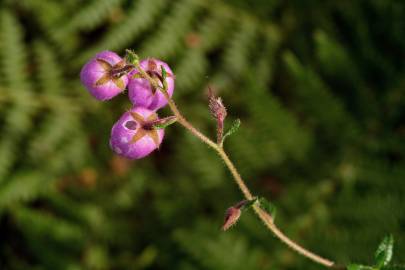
(263, 215)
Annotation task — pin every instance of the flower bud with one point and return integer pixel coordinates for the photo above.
(232, 215)
(216, 106)
(218, 111)
(105, 75)
(142, 93)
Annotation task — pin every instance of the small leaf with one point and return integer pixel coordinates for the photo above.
(268, 207)
(164, 122)
(248, 204)
(164, 76)
(383, 254)
(235, 126)
(131, 57)
(164, 73)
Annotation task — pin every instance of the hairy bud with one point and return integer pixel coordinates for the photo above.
(218, 111)
(232, 215)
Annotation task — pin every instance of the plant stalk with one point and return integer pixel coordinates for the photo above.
(263, 215)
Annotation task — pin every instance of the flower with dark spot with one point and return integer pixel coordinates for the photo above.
(105, 75)
(133, 135)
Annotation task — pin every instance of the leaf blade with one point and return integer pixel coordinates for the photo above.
(235, 126)
(268, 207)
(383, 254)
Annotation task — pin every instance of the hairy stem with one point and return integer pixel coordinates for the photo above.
(266, 218)
(220, 131)
(263, 215)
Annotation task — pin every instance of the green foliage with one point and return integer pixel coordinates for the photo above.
(22, 187)
(248, 204)
(216, 252)
(383, 254)
(393, 267)
(268, 207)
(382, 257)
(235, 126)
(359, 267)
(319, 89)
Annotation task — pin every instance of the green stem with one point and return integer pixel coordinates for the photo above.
(263, 215)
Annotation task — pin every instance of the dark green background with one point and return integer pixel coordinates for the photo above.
(318, 85)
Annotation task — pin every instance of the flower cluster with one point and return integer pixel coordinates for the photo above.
(136, 134)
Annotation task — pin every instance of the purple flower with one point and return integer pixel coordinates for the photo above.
(141, 93)
(105, 75)
(133, 135)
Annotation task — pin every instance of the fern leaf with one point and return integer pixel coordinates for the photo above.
(50, 77)
(59, 120)
(326, 109)
(47, 12)
(213, 31)
(172, 30)
(43, 226)
(191, 71)
(13, 63)
(236, 56)
(193, 66)
(139, 18)
(22, 187)
(91, 15)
